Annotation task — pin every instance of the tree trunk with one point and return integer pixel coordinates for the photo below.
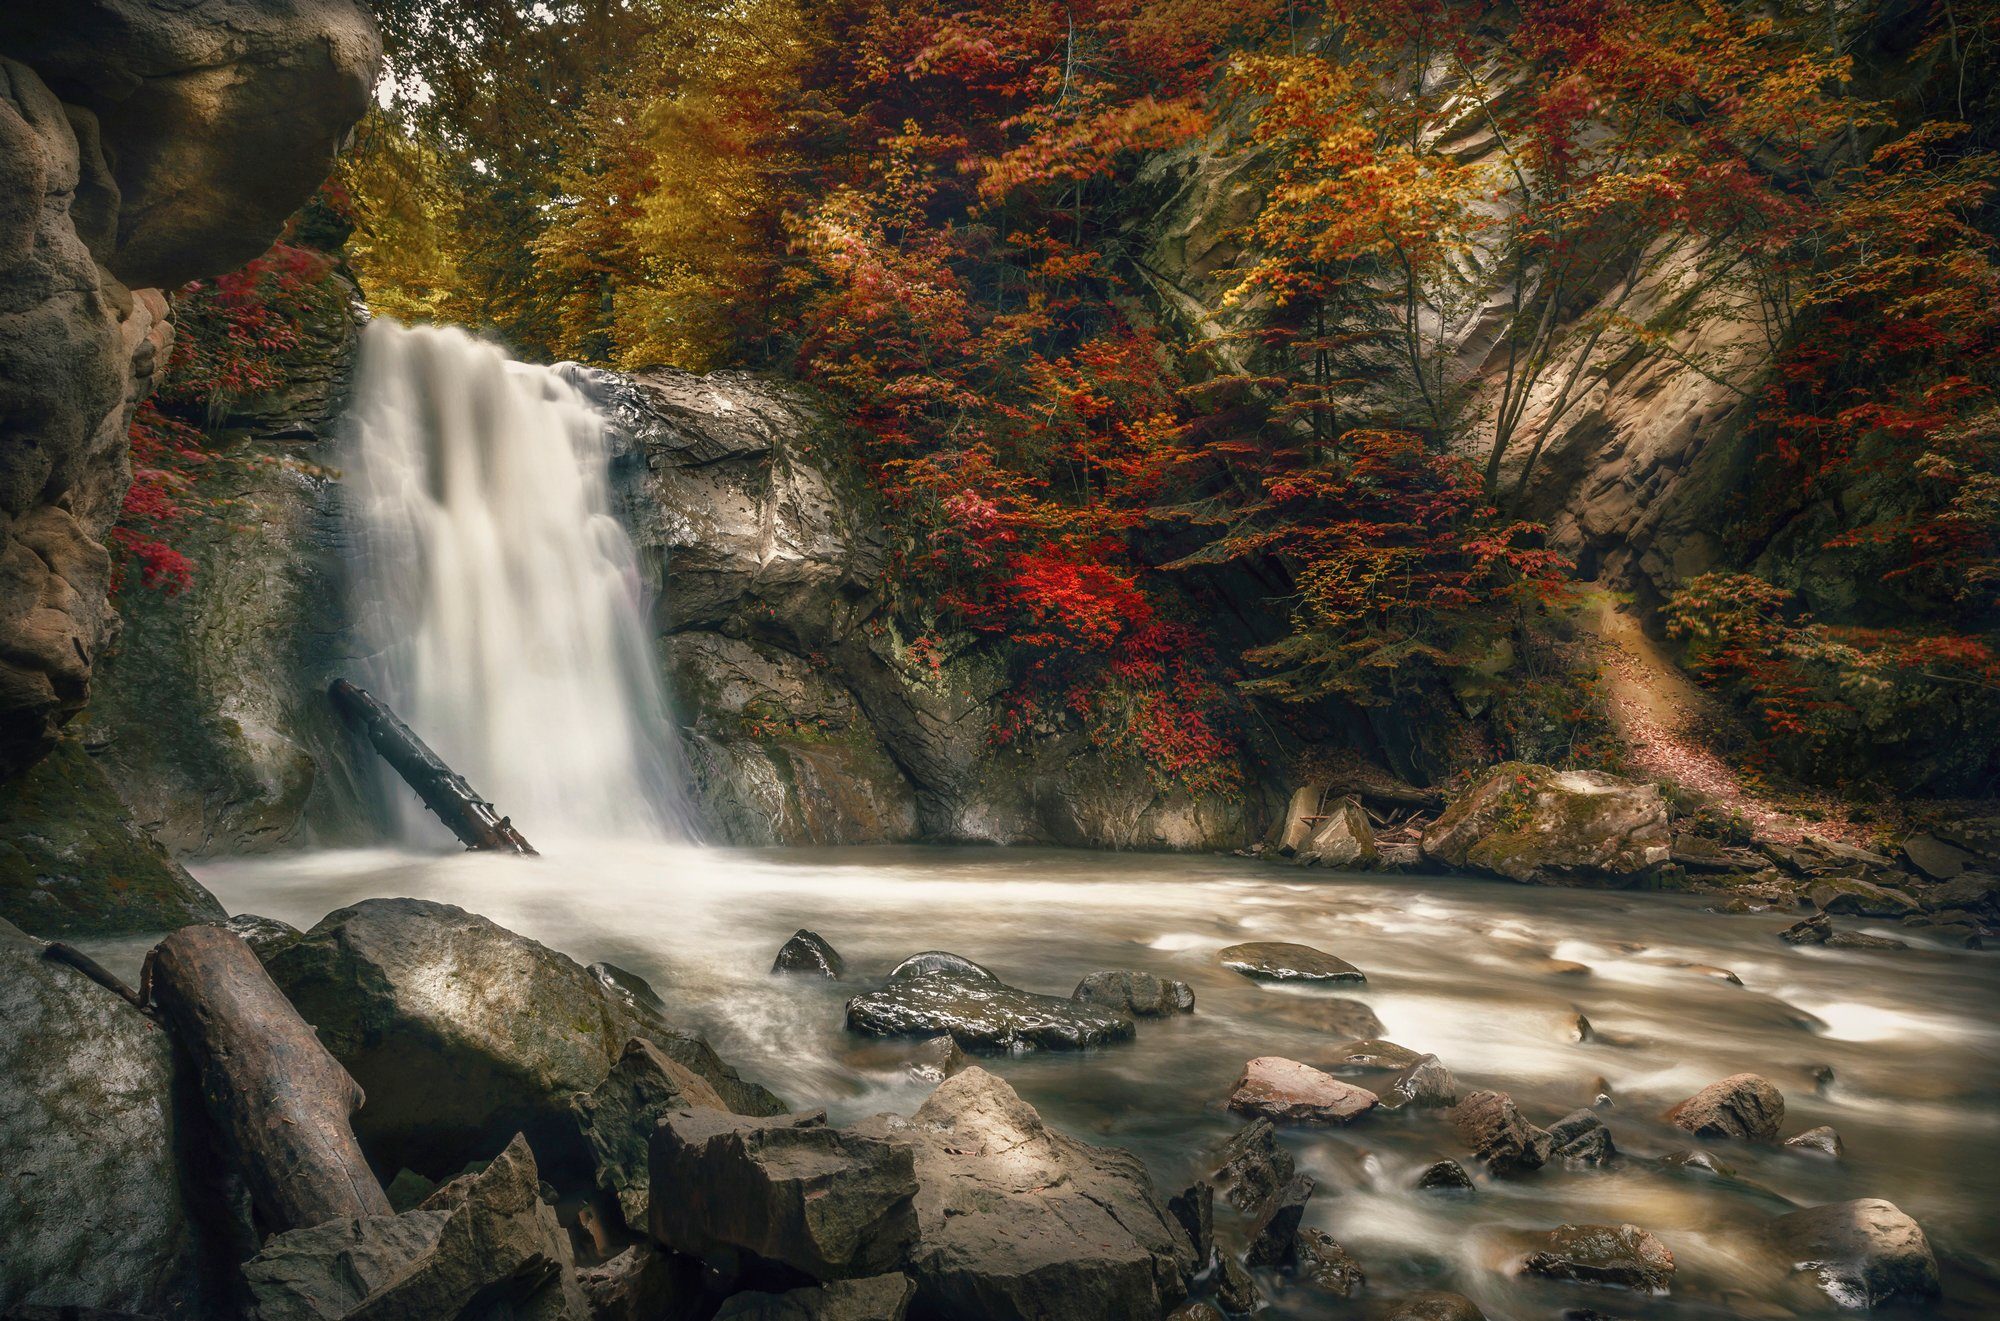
(443, 790)
(280, 1101)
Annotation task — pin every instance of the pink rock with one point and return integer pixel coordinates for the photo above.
(1291, 1092)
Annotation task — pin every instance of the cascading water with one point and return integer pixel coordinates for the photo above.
(498, 595)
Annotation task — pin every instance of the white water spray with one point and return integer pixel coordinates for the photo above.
(498, 594)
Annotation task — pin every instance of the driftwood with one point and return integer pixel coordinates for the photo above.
(280, 1101)
(443, 790)
(70, 956)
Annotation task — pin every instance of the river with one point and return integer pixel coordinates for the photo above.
(1456, 967)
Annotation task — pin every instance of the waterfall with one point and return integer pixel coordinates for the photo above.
(496, 592)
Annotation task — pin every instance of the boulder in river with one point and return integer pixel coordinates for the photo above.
(1372, 1057)
(1254, 1166)
(1621, 1256)
(462, 1032)
(831, 1203)
(617, 1119)
(1277, 1223)
(1435, 1305)
(983, 1013)
(1276, 1088)
(934, 961)
(1813, 930)
(1821, 1141)
(1281, 961)
(1580, 1138)
(93, 1208)
(1444, 1176)
(1138, 993)
(1425, 1083)
(1492, 1127)
(1015, 1219)
(1862, 1254)
(1319, 1261)
(1542, 826)
(876, 1298)
(1742, 1106)
(808, 952)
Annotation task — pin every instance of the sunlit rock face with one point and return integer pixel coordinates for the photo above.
(141, 145)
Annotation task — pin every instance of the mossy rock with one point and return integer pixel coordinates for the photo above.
(1543, 826)
(72, 863)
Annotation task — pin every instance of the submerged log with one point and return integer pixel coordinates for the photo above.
(443, 790)
(280, 1100)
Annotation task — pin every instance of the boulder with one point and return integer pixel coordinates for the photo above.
(484, 1241)
(982, 1013)
(1742, 1106)
(1846, 894)
(1254, 1167)
(808, 952)
(1621, 1256)
(618, 1116)
(1814, 930)
(94, 1209)
(1290, 1092)
(1821, 1141)
(1491, 1126)
(643, 1283)
(1295, 830)
(1580, 1138)
(1934, 858)
(1862, 1254)
(1541, 826)
(1322, 1263)
(1015, 1219)
(1138, 993)
(264, 935)
(1425, 1083)
(1276, 1224)
(72, 862)
(1444, 1176)
(1436, 1305)
(1279, 961)
(831, 1203)
(934, 961)
(1343, 839)
(458, 1029)
(876, 1298)
(1194, 1209)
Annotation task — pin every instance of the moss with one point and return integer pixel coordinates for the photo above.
(72, 864)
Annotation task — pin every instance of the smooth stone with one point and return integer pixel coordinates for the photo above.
(1491, 1126)
(1444, 1176)
(1319, 1261)
(1276, 1088)
(932, 962)
(1621, 1256)
(1862, 1254)
(808, 952)
(1280, 961)
(1139, 993)
(1822, 1141)
(1743, 1106)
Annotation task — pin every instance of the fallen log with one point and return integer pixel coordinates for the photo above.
(280, 1101)
(443, 790)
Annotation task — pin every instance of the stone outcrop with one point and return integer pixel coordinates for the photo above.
(140, 146)
(1541, 826)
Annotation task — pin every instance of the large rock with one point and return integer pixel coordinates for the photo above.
(1491, 1126)
(1742, 1106)
(72, 863)
(1622, 1256)
(1254, 1167)
(832, 1203)
(462, 1032)
(1287, 1091)
(808, 952)
(617, 1119)
(1138, 993)
(1015, 1219)
(94, 1210)
(484, 1245)
(980, 1013)
(1533, 824)
(1342, 839)
(1282, 961)
(1863, 1253)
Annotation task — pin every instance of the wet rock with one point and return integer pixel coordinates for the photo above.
(1426, 1084)
(1541, 826)
(808, 952)
(1373, 1057)
(1814, 930)
(1015, 1219)
(1235, 1290)
(1862, 940)
(642, 1283)
(1742, 1106)
(1621, 1256)
(93, 1211)
(932, 962)
(1862, 1254)
(1436, 1305)
(1822, 1141)
(1444, 1176)
(264, 935)
(1491, 1126)
(877, 1298)
(1343, 839)
(833, 1203)
(1319, 1261)
(983, 1013)
(459, 1029)
(1139, 993)
(937, 1059)
(1279, 961)
(1935, 858)
(1575, 1027)
(486, 1239)
(629, 989)
(1848, 895)
(1254, 1166)
(1280, 1089)
(1581, 1139)
(1277, 1223)
(617, 1119)
(1194, 1209)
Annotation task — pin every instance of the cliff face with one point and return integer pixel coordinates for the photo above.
(141, 146)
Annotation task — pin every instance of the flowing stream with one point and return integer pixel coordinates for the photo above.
(1457, 967)
(497, 592)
